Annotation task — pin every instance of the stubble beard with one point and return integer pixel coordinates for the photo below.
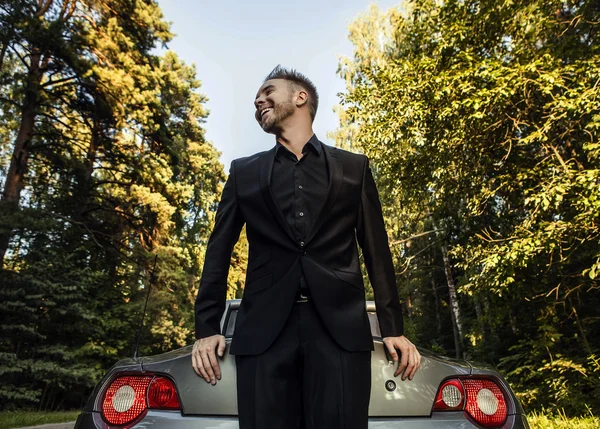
(276, 117)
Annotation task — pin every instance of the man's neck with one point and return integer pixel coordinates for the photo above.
(295, 137)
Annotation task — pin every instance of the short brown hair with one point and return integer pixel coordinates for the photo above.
(299, 79)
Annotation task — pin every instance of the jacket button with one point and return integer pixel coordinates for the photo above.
(303, 252)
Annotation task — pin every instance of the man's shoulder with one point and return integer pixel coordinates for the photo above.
(346, 155)
(248, 160)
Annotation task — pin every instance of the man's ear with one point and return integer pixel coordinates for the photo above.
(301, 98)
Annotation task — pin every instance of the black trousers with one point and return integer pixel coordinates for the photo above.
(304, 380)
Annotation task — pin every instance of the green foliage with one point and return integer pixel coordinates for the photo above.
(481, 119)
(117, 172)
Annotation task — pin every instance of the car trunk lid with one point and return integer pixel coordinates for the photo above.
(390, 396)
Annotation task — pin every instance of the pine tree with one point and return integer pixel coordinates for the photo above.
(108, 169)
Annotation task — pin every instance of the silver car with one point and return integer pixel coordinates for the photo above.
(163, 391)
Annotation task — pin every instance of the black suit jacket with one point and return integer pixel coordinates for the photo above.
(328, 257)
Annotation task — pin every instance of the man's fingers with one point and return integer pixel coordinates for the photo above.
(403, 364)
(414, 362)
(411, 367)
(394, 354)
(203, 372)
(417, 362)
(195, 364)
(392, 351)
(221, 346)
(214, 364)
(207, 367)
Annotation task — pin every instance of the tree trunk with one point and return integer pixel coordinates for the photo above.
(3, 53)
(436, 297)
(44, 392)
(454, 306)
(18, 163)
(409, 306)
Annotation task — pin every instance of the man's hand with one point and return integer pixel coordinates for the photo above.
(204, 360)
(410, 357)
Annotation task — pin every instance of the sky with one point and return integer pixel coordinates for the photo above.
(235, 44)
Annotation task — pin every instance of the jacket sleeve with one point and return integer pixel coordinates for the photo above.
(212, 293)
(373, 240)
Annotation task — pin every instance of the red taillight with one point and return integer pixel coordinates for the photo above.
(485, 402)
(125, 399)
(128, 397)
(451, 396)
(162, 394)
(482, 399)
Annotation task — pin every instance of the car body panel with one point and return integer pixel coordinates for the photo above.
(174, 419)
(405, 403)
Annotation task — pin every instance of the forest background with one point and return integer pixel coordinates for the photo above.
(481, 119)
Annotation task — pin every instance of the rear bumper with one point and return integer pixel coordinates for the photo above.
(174, 420)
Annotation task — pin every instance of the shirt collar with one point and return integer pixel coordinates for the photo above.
(313, 144)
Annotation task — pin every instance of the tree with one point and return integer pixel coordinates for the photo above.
(482, 116)
(108, 167)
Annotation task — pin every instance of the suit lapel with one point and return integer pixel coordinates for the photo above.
(336, 171)
(265, 170)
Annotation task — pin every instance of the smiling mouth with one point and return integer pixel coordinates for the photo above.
(264, 112)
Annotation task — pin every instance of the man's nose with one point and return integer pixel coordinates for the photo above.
(259, 101)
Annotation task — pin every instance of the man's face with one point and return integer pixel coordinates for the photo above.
(274, 104)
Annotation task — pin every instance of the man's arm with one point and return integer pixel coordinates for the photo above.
(210, 301)
(373, 240)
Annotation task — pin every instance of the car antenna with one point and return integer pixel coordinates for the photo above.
(136, 351)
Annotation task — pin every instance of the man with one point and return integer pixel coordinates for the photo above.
(302, 339)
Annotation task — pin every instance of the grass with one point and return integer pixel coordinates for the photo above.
(17, 419)
(559, 420)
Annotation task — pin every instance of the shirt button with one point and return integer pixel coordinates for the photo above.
(302, 244)
(301, 213)
(299, 186)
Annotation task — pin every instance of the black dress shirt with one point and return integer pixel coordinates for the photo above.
(300, 186)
